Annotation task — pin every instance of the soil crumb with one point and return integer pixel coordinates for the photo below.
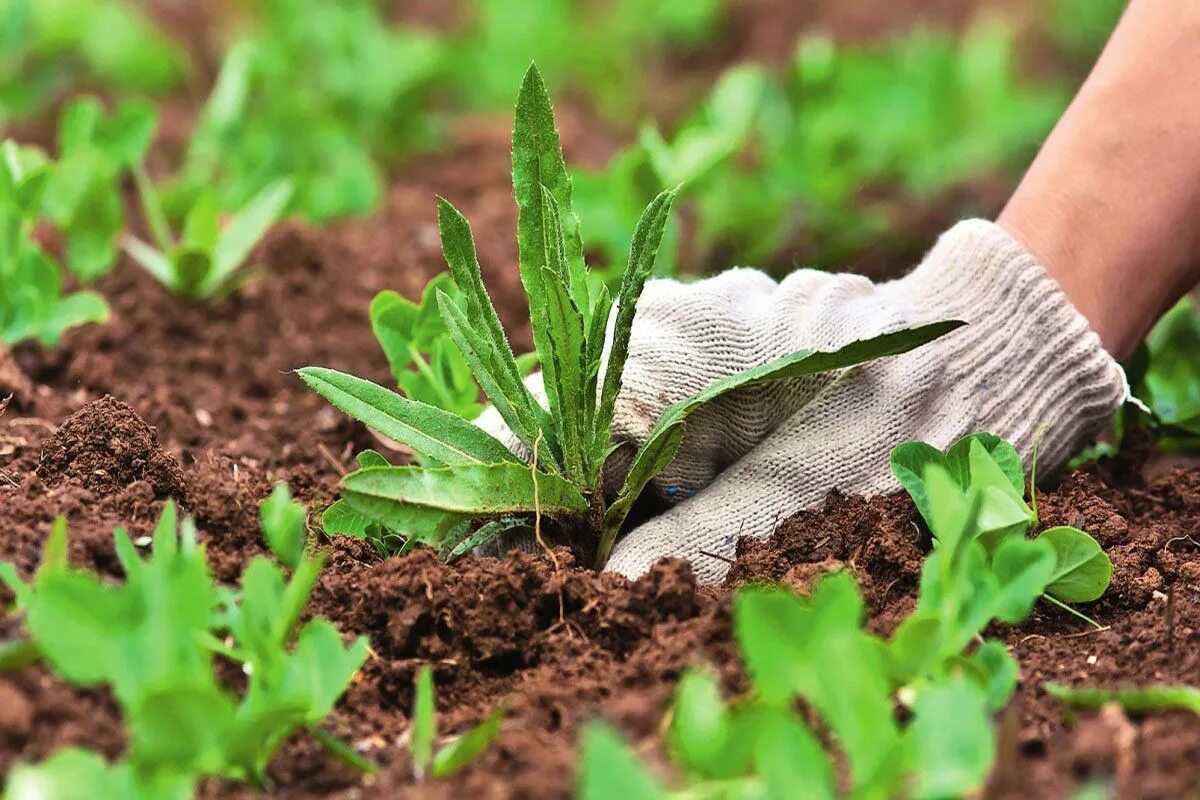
(105, 446)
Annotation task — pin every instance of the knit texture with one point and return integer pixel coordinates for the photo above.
(1026, 361)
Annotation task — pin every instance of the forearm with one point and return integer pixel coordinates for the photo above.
(1111, 205)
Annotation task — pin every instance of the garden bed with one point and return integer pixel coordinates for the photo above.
(197, 403)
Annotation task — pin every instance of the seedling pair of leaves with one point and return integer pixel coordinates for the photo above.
(204, 261)
(32, 303)
(152, 640)
(814, 650)
(477, 479)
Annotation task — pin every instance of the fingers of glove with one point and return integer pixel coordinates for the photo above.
(841, 440)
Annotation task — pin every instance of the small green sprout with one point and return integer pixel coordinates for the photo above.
(457, 753)
(988, 469)
(204, 261)
(32, 303)
(152, 640)
(83, 194)
(468, 477)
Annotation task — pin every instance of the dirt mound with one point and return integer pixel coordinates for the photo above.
(105, 446)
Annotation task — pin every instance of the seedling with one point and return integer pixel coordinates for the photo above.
(988, 468)
(477, 479)
(32, 303)
(936, 664)
(456, 754)
(204, 261)
(425, 362)
(152, 640)
(83, 194)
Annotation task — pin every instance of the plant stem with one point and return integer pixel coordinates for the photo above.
(156, 218)
(427, 372)
(1073, 611)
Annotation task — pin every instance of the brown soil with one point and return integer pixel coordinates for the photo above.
(197, 403)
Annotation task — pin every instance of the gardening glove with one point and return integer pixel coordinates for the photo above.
(1026, 361)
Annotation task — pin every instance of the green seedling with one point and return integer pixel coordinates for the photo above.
(49, 47)
(477, 479)
(204, 261)
(152, 641)
(32, 303)
(365, 88)
(425, 362)
(814, 650)
(83, 193)
(431, 762)
(989, 468)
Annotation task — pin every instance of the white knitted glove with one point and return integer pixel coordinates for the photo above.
(1026, 360)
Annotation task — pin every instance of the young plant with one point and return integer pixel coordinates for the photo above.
(152, 639)
(986, 470)
(32, 303)
(457, 753)
(204, 261)
(936, 665)
(83, 194)
(477, 478)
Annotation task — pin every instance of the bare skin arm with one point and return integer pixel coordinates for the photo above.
(1111, 205)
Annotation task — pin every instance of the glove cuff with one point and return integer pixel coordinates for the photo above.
(1022, 331)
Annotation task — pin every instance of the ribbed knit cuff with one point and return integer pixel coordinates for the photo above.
(1029, 356)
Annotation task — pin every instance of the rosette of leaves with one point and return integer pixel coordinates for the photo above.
(470, 487)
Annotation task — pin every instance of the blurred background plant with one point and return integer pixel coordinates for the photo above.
(839, 149)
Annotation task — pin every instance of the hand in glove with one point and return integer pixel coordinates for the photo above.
(1026, 360)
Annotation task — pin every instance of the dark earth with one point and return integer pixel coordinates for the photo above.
(197, 403)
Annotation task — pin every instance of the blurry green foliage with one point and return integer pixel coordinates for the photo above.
(832, 147)
(317, 92)
(48, 48)
(597, 47)
(32, 303)
(1081, 27)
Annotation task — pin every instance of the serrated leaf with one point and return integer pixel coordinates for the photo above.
(432, 432)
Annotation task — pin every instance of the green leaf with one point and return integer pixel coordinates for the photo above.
(818, 651)
(699, 724)
(438, 434)
(909, 461)
(342, 520)
(1082, 570)
(996, 672)
(950, 742)
(485, 533)
(466, 748)
(1023, 567)
(609, 769)
(480, 336)
(647, 237)
(424, 724)
(791, 762)
(664, 439)
(1141, 700)
(537, 161)
(475, 489)
(234, 244)
(283, 526)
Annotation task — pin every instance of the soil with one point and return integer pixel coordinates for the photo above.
(197, 404)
